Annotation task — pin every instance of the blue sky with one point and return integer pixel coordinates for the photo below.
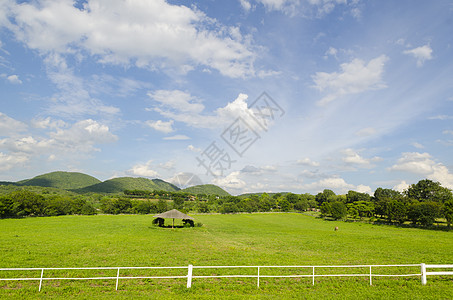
(358, 94)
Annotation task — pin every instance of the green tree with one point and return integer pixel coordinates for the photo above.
(6, 207)
(381, 194)
(447, 211)
(284, 204)
(338, 210)
(292, 198)
(424, 213)
(162, 206)
(28, 203)
(178, 202)
(353, 196)
(326, 196)
(429, 191)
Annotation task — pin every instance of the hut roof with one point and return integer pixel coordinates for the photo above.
(173, 214)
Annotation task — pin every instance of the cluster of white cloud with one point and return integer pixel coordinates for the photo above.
(292, 7)
(14, 79)
(351, 157)
(421, 53)
(355, 77)
(182, 107)
(423, 164)
(147, 34)
(18, 145)
(145, 170)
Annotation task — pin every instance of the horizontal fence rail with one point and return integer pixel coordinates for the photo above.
(256, 272)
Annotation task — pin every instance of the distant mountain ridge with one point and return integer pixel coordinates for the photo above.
(209, 189)
(83, 183)
(118, 185)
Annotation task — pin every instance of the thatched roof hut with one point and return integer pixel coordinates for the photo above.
(173, 214)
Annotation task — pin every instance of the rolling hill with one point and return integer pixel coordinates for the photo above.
(61, 180)
(118, 185)
(208, 189)
(83, 183)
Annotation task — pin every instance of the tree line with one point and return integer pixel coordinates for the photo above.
(422, 203)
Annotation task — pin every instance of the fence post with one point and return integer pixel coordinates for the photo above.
(423, 269)
(371, 282)
(117, 278)
(313, 275)
(40, 281)
(258, 283)
(189, 276)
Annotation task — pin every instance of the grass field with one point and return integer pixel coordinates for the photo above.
(243, 239)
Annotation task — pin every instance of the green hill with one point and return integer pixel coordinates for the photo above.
(208, 189)
(61, 180)
(118, 185)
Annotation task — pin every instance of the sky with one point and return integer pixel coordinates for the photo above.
(251, 95)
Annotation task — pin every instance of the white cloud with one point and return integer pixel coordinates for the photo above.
(307, 162)
(414, 162)
(447, 132)
(423, 164)
(189, 113)
(67, 142)
(179, 100)
(286, 6)
(230, 182)
(178, 137)
(258, 170)
(147, 34)
(145, 170)
(355, 77)
(159, 125)
(167, 165)
(422, 54)
(81, 137)
(331, 52)
(9, 161)
(441, 117)
(193, 149)
(369, 131)
(246, 5)
(73, 97)
(351, 157)
(339, 185)
(86, 132)
(319, 8)
(364, 189)
(48, 123)
(268, 73)
(402, 186)
(418, 145)
(14, 79)
(10, 126)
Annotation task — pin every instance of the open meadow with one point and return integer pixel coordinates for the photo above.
(280, 239)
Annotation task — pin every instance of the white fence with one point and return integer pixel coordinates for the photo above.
(310, 272)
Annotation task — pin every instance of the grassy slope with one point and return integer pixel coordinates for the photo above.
(208, 189)
(118, 185)
(257, 239)
(61, 180)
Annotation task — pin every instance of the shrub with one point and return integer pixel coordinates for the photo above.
(159, 222)
(188, 223)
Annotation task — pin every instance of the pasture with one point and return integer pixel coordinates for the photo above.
(242, 239)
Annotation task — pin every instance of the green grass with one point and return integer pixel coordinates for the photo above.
(243, 239)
